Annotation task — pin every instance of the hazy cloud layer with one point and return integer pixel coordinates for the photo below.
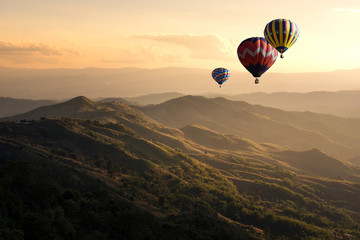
(201, 46)
(143, 55)
(7, 48)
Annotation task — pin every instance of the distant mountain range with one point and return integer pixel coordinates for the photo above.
(11, 106)
(154, 98)
(129, 82)
(341, 103)
(144, 99)
(200, 171)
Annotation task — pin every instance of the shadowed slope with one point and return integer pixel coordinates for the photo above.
(211, 139)
(317, 163)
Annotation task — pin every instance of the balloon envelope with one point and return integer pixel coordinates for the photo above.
(281, 34)
(256, 55)
(220, 75)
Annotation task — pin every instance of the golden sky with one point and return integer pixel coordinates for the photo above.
(160, 33)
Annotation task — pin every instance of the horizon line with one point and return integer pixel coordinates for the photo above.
(165, 67)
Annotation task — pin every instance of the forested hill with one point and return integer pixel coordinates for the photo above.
(109, 171)
(75, 178)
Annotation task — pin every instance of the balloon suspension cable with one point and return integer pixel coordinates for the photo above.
(281, 55)
(256, 81)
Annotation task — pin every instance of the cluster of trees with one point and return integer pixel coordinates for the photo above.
(277, 210)
(39, 195)
(34, 206)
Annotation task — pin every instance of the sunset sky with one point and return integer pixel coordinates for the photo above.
(160, 33)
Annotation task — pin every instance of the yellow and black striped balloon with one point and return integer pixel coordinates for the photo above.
(281, 34)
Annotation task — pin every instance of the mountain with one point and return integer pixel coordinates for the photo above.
(154, 98)
(294, 130)
(74, 106)
(129, 82)
(109, 112)
(11, 106)
(144, 99)
(197, 139)
(114, 99)
(317, 163)
(76, 178)
(341, 103)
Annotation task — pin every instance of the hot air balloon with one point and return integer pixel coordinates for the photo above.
(220, 75)
(281, 34)
(257, 55)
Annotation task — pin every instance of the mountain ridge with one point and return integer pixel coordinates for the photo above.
(193, 139)
(11, 106)
(340, 103)
(335, 135)
(127, 82)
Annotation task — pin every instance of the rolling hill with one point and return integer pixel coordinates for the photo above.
(168, 184)
(298, 131)
(241, 187)
(197, 139)
(144, 172)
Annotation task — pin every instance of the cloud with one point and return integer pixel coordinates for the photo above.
(7, 48)
(143, 55)
(200, 46)
(346, 10)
